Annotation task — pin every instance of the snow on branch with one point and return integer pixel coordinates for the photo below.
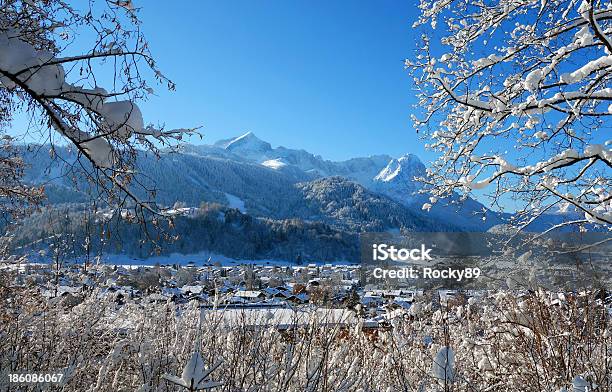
(105, 127)
(515, 98)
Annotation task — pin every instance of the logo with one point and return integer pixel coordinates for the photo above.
(382, 252)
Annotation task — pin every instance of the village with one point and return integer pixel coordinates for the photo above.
(270, 294)
(260, 312)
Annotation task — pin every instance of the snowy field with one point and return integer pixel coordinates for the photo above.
(200, 259)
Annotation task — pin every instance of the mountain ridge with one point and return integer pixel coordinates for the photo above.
(382, 173)
(267, 181)
(272, 194)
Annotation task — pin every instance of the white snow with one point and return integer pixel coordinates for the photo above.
(19, 56)
(504, 166)
(392, 170)
(587, 69)
(486, 61)
(443, 364)
(480, 184)
(194, 370)
(41, 73)
(407, 164)
(239, 139)
(541, 135)
(275, 164)
(533, 79)
(584, 37)
(122, 118)
(579, 384)
(235, 202)
(194, 376)
(100, 151)
(484, 364)
(584, 8)
(246, 144)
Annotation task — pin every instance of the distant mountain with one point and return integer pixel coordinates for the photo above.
(381, 174)
(275, 191)
(247, 145)
(250, 148)
(336, 199)
(272, 182)
(213, 228)
(397, 179)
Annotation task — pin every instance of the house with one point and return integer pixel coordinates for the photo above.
(191, 289)
(157, 297)
(402, 302)
(272, 292)
(250, 295)
(370, 300)
(298, 298)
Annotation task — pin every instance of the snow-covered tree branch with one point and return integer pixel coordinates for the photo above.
(15, 196)
(517, 99)
(66, 96)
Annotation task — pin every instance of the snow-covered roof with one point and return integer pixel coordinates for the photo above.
(248, 293)
(192, 289)
(287, 317)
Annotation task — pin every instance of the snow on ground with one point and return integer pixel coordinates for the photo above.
(235, 202)
(283, 317)
(198, 259)
(274, 163)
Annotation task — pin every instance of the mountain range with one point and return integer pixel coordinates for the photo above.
(278, 183)
(277, 188)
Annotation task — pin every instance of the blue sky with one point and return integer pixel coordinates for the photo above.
(325, 76)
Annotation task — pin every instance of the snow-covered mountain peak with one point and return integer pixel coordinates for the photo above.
(404, 169)
(391, 171)
(245, 143)
(374, 171)
(410, 159)
(397, 179)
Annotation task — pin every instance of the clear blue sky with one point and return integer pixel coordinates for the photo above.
(326, 76)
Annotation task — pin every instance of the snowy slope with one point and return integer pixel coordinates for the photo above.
(249, 147)
(397, 179)
(235, 202)
(276, 164)
(262, 180)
